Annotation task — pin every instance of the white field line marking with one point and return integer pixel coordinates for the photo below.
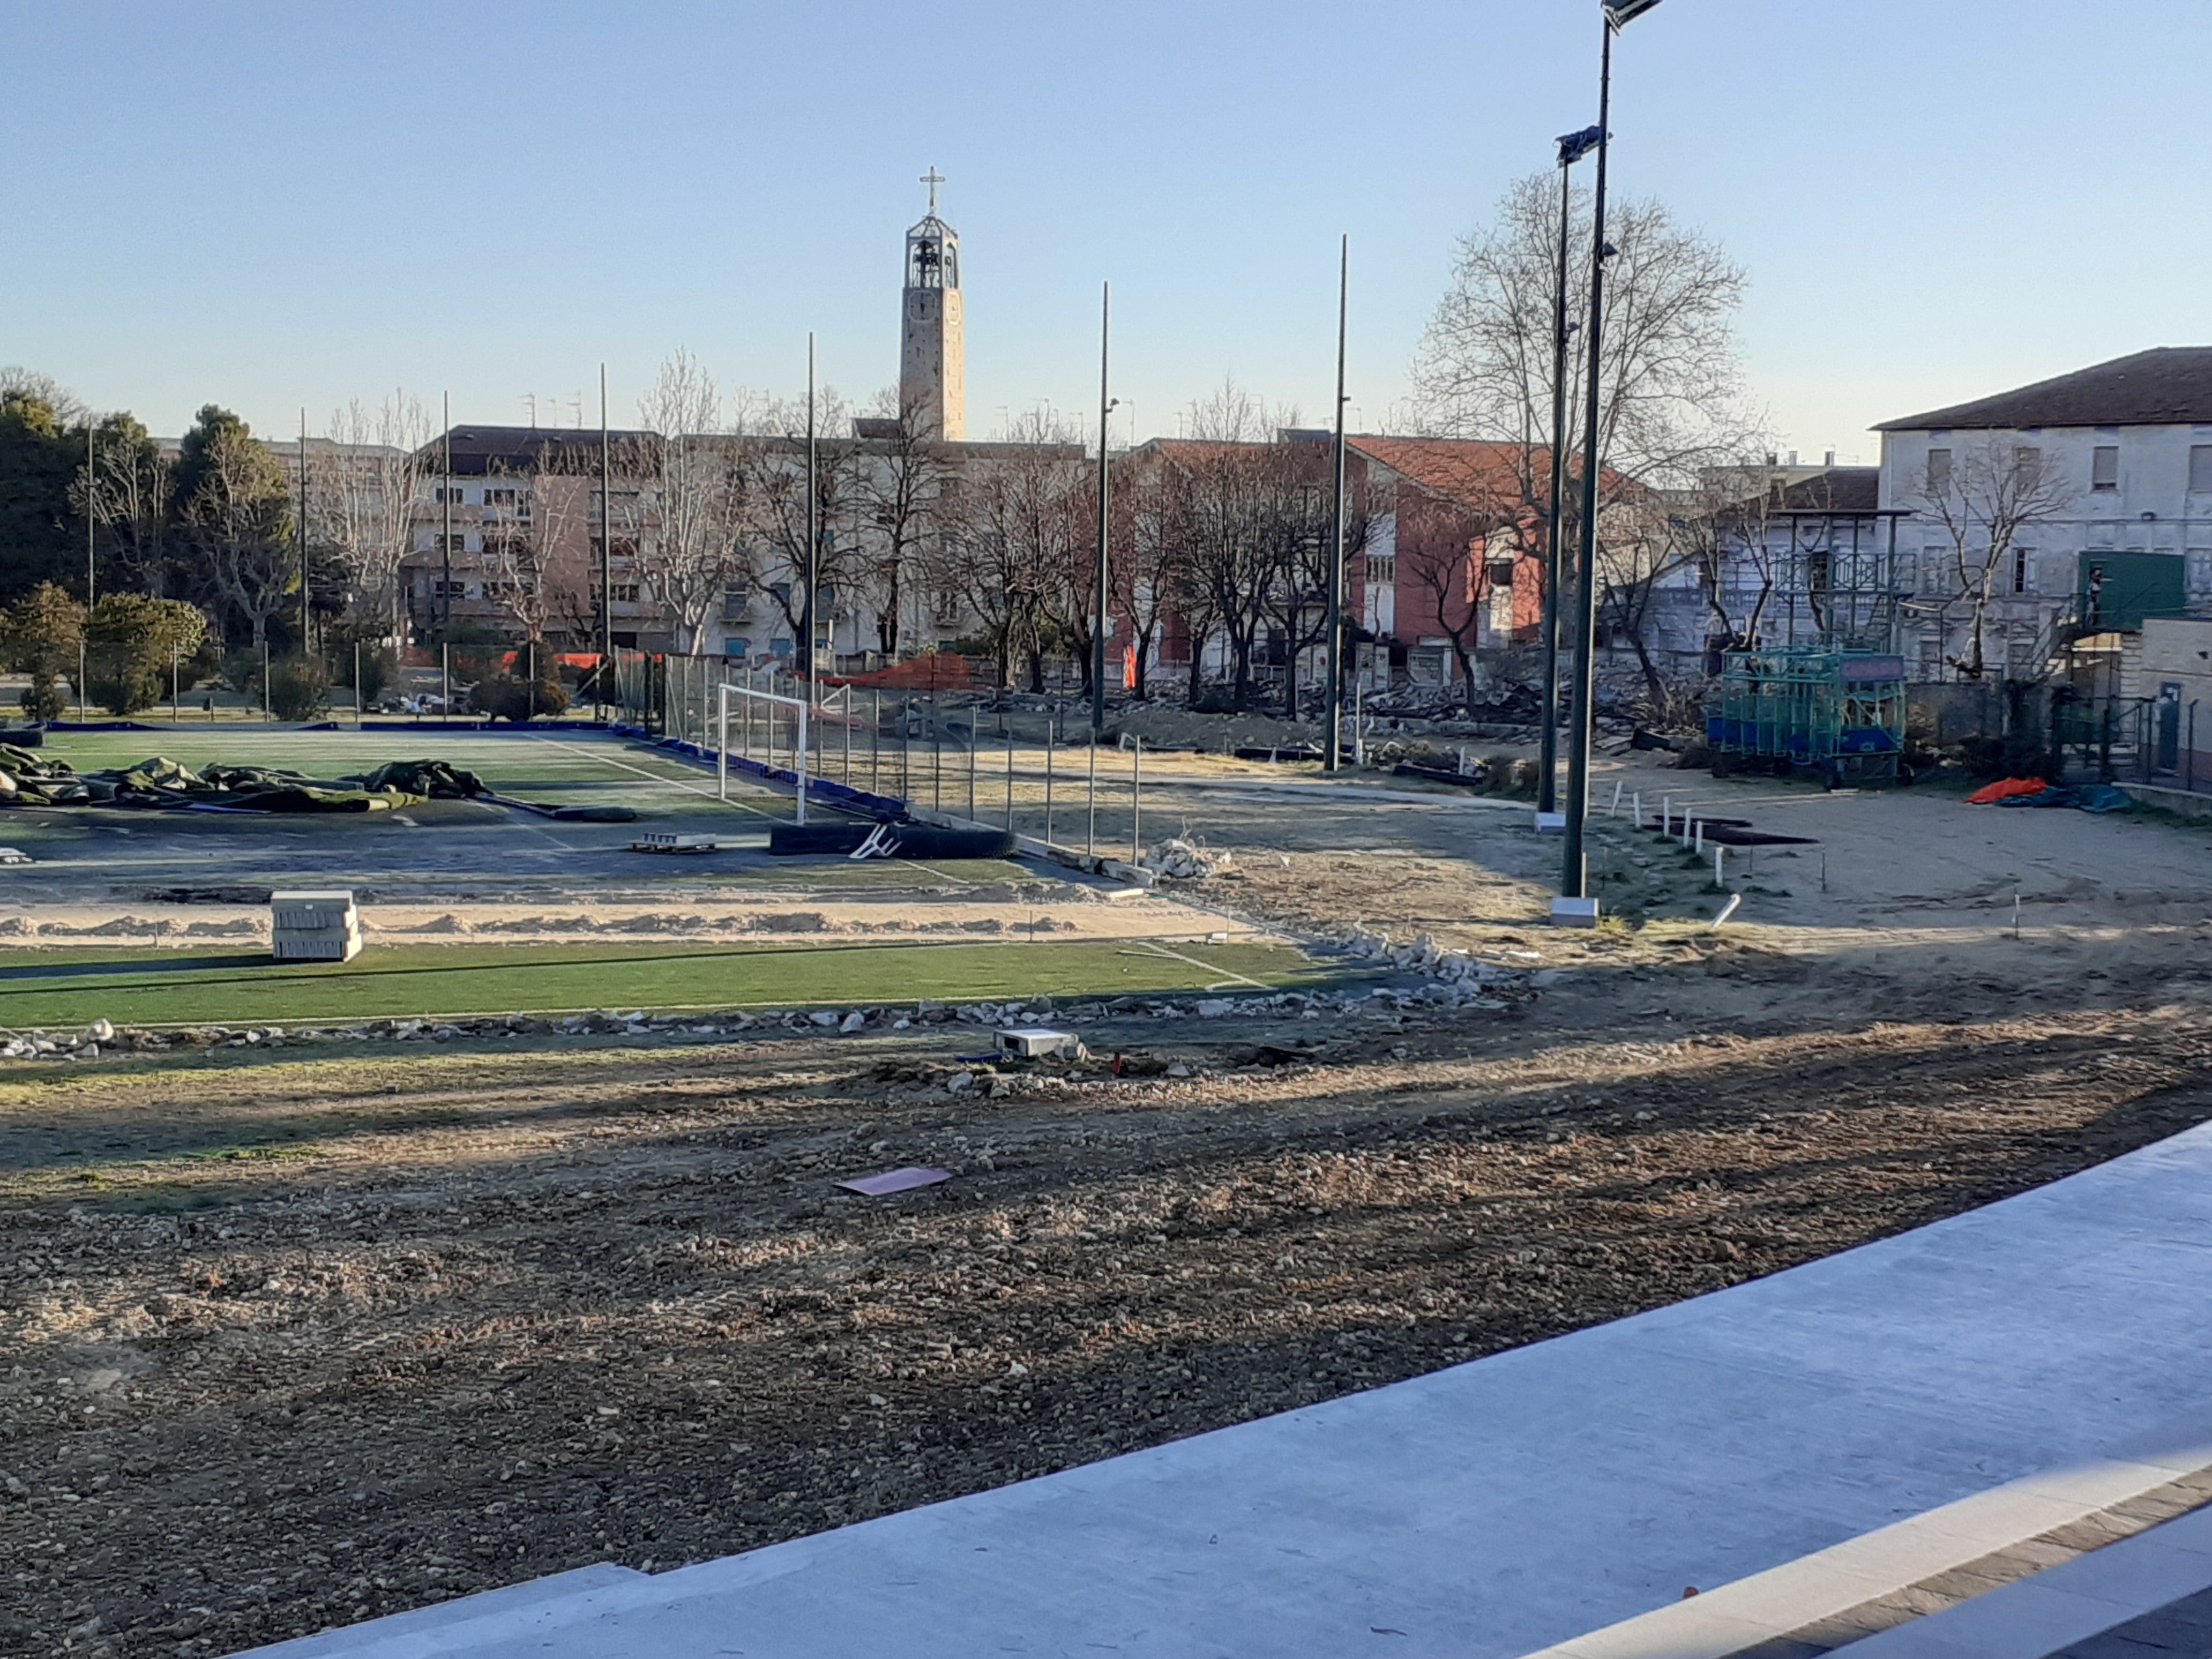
(673, 783)
(1210, 967)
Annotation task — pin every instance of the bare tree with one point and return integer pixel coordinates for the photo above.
(1235, 518)
(238, 517)
(130, 490)
(1017, 557)
(361, 498)
(903, 508)
(697, 552)
(1444, 550)
(1671, 392)
(1148, 566)
(772, 490)
(1984, 494)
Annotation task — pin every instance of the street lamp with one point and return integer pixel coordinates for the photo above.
(1574, 905)
(1573, 147)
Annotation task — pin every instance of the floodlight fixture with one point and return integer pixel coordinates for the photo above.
(1619, 13)
(1573, 146)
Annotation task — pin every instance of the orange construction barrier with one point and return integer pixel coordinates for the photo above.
(939, 670)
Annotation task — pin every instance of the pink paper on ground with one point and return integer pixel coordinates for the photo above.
(896, 1181)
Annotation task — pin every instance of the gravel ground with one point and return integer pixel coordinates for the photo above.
(319, 1335)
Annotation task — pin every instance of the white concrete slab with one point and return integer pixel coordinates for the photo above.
(1518, 1501)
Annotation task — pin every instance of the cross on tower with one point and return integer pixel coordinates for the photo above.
(932, 179)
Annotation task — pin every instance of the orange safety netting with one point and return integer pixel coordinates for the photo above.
(941, 670)
(1990, 794)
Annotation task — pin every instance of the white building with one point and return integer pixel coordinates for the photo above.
(2081, 505)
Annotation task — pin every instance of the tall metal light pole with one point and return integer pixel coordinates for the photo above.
(91, 560)
(306, 643)
(1574, 876)
(1572, 148)
(813, 571)
(1098, 618)
(446, 538)
(606, 546)
(1333, 703)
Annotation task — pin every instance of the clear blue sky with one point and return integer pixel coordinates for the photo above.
(271, 206)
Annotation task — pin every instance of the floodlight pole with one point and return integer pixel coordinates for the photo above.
(445, 577)
(306, 642)
(1333, 719)
(813, 571)
(1573, 875)
(91, 565)
(1098, 622)
(606, 550)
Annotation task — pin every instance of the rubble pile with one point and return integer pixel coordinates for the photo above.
(1186, 860)
(1456, 980)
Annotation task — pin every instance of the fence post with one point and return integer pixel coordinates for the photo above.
(1091, 835)
(801, 762)
(1048, 777)
(1010, 780)
(875, 733)
(972, 737)
(722, 743)
(1137, 801)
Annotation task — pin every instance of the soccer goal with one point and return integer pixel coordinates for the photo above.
(751, 703)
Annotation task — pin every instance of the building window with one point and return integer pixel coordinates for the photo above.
(736, 603)
(1939, 471)
(457, 494)
(499, 497)
(733, 646)
(2200, 469)
(2104, 467)
(2023, 570)
(456, 542)
(624, 592)
(1381, 569)
(2027, 461)
(449, 589)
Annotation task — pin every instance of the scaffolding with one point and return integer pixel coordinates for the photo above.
(1823, 687)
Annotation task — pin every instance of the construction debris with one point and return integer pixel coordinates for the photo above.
(896, 1181)
(1186, 860)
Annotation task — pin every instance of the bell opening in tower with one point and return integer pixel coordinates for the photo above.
(931, 259)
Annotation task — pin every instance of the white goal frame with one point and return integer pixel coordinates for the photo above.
(723, 693)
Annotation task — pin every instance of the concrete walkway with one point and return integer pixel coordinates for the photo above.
(1516, 1501)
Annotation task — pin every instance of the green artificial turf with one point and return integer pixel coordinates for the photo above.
(179, 987)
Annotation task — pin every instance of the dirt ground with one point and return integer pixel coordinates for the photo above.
(294, 1336)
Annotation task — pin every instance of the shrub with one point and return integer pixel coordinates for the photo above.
(515, 698)
(131, 642)
(40, 633)
(299, 688)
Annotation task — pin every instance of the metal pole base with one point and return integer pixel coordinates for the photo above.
(1574, 913)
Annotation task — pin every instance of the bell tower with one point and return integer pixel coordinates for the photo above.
(933, 367)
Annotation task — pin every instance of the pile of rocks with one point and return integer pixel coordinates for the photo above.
(1185, 860)
(1457, 979)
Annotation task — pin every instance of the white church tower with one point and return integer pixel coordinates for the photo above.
(933, 369)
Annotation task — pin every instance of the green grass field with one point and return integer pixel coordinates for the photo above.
(166, 986)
